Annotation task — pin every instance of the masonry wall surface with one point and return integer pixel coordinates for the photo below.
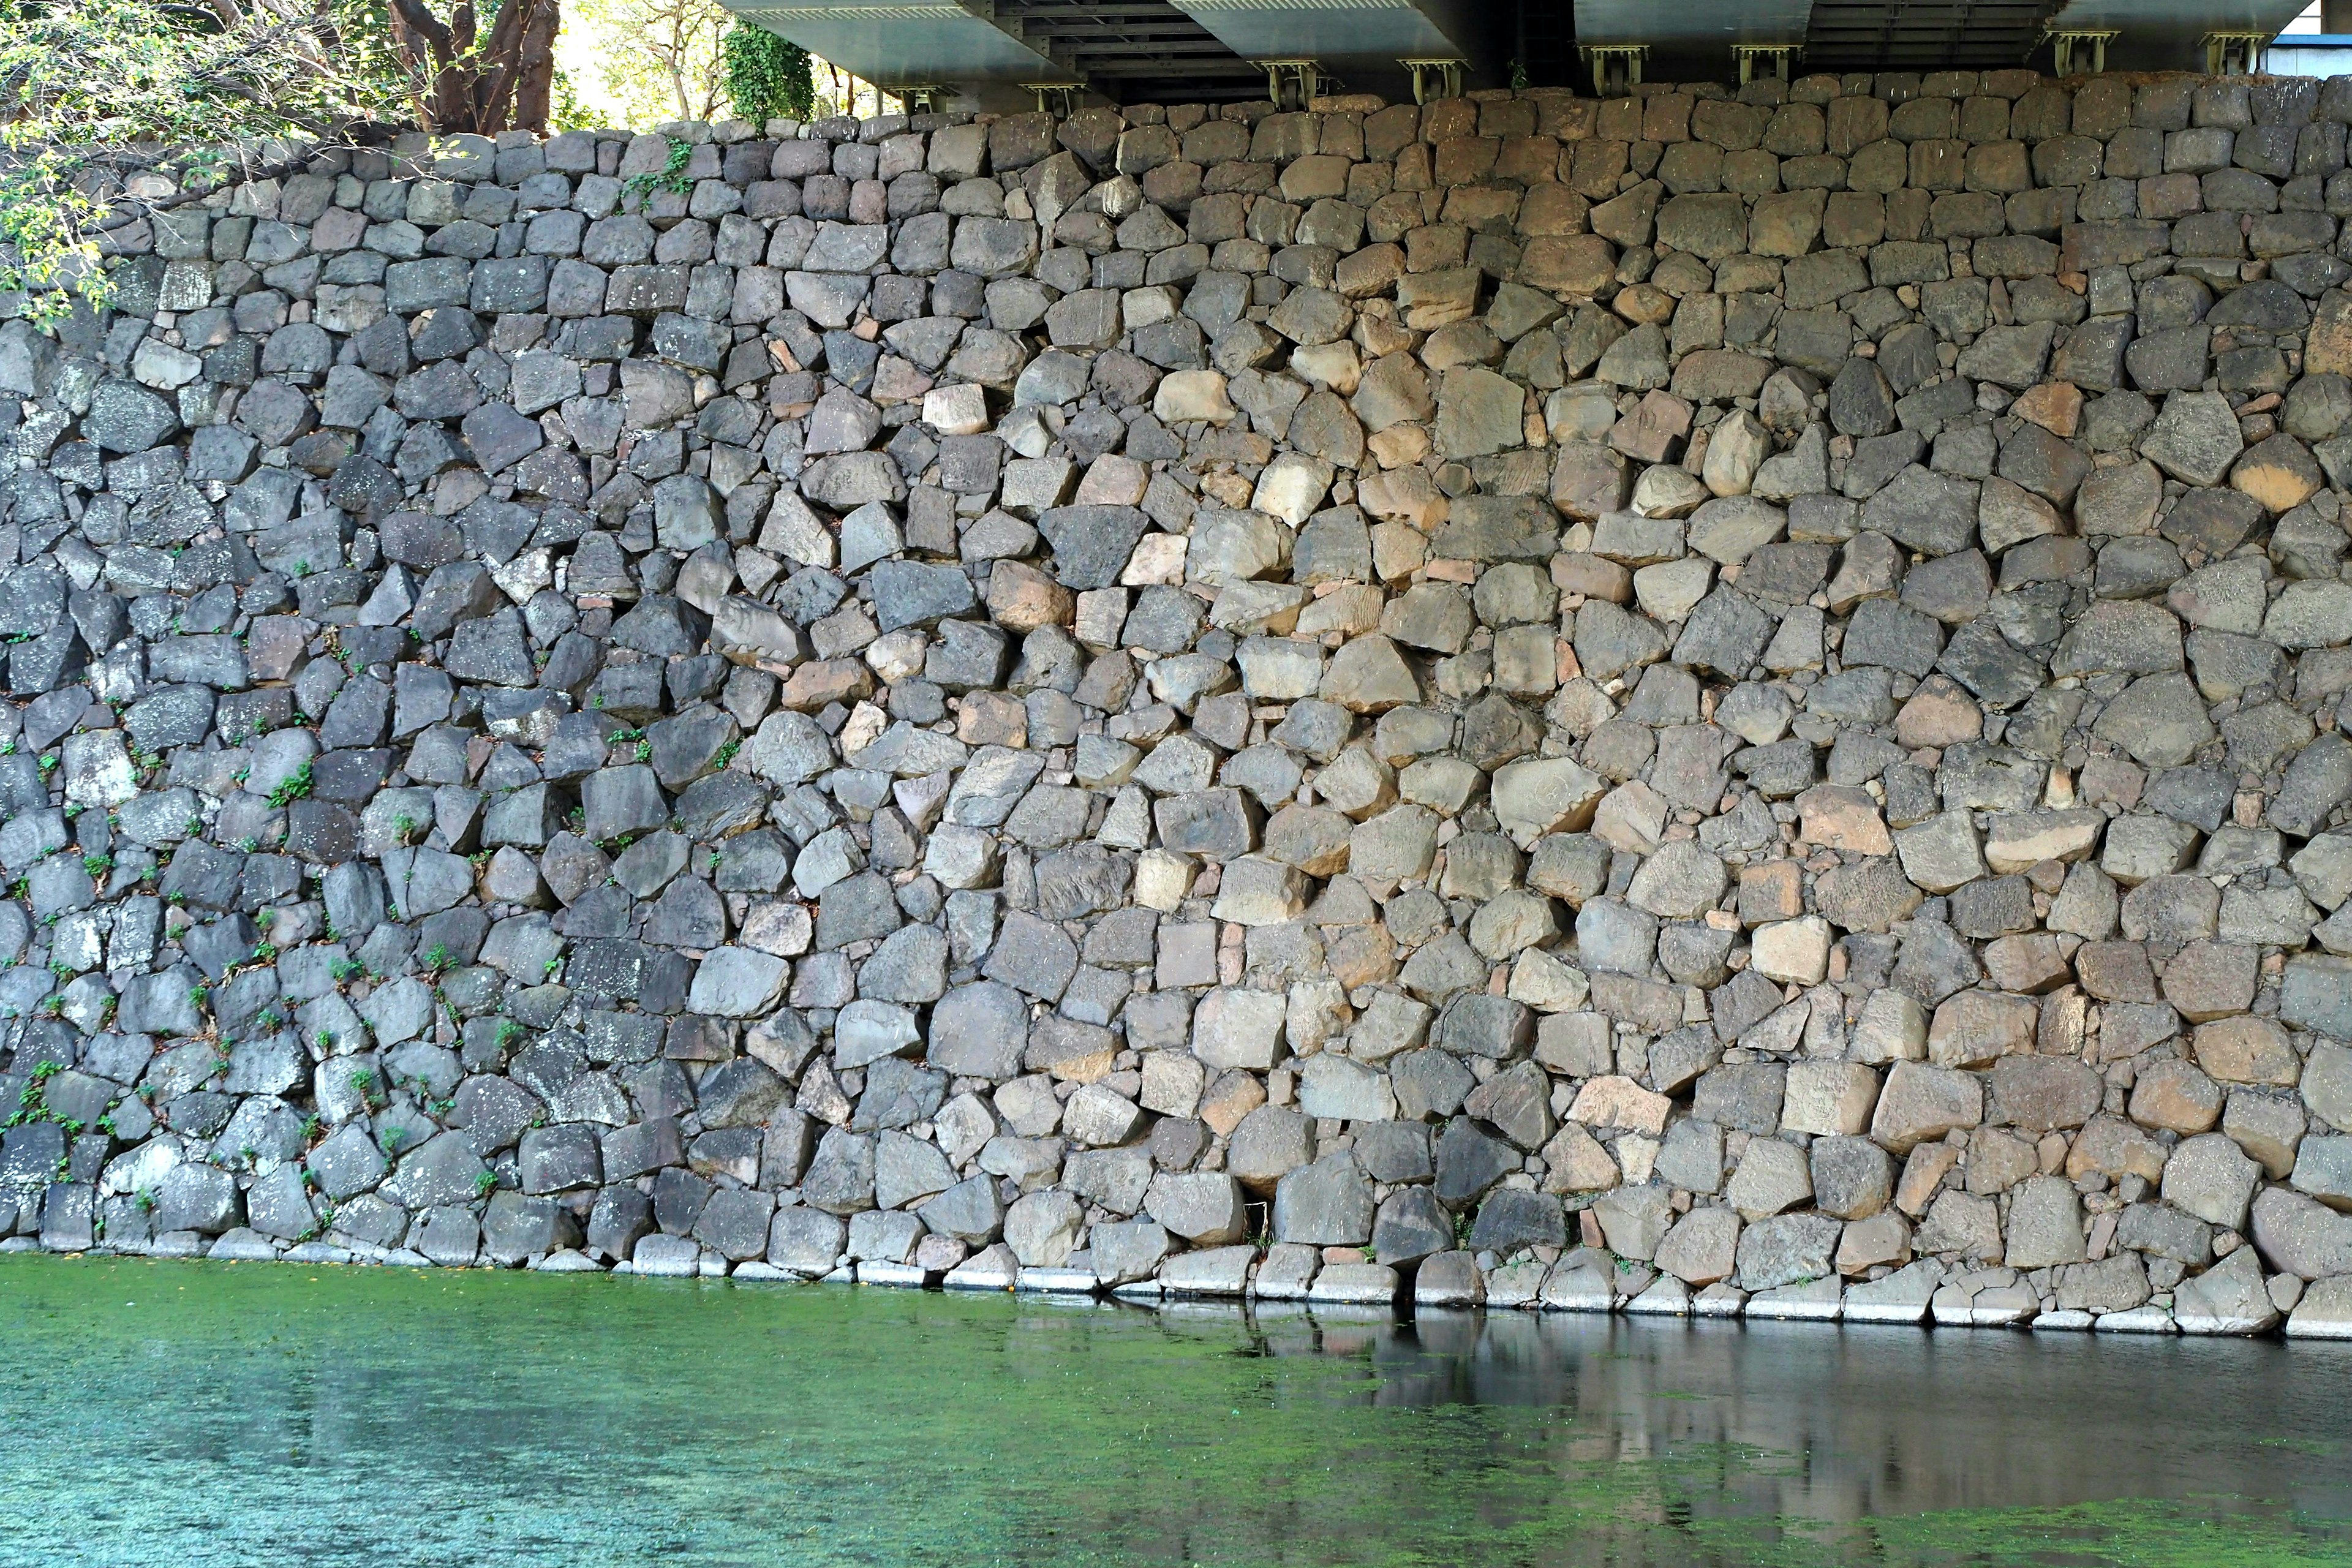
(1699, 702)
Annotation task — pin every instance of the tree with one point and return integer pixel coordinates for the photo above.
(659, 59)
(455, 87)
(768, 77)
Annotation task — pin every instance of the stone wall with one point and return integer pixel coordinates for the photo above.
(1700, 702)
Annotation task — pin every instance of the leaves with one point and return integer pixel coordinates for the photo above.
(110, 109)
(113, 110)
(768, 77)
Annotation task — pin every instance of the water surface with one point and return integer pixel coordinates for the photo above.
(155, 1412)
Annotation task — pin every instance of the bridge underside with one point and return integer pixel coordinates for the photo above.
(994, 54)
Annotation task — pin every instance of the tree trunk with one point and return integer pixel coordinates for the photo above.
(505, 81)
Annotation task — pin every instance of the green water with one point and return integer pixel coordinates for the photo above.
(160, 1412)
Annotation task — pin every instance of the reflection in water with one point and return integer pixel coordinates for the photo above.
(192, 1413)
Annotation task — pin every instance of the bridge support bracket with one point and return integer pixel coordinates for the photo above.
(2235, 53)
(1776, 60)
(2074, 50)
(1293, 84)
(1058, 98)
(1435, 79)
(919, 97)
(1616, 67)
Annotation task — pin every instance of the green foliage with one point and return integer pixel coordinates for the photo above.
(565, 112)
(32, 1101)
(673, 177)
(292, 789)
(768, 77)
(108, 107)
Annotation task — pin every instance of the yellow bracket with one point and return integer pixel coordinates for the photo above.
(1435, 79)
(1779, 58)
(1616, 67)
(2235, 53)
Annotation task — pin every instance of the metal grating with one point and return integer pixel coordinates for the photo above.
(1132, 50)
(1922, 35)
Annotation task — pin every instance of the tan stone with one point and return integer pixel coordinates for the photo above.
(1617, 1101)
(991, 719)
(1588, 481)
(1256, 891)
(1840, 816)
(1828, 1098)
(2328, 349)
(959, 410)
(2247, 1050)
(1364, 955)
(1404, 495)
(1923, 1174)
(1572, 266)
(1701, 1248)
(2208, 980)
(2279, 473)
(1368, 676)
(1398, 446)
(1645, 304)
(1172, 1081)
(2115, 1148)
(1882, 1239)
(1797, 950)
(2174, 1096)
(1114, 480)
(1163, 878)
(2029, 965)
(1774, 890)
(2056, 406)
(1577, 1162)
(1939, 714)
(1631, 817)
(1021, 599)
(824, 682)
(1975, 1027)
(2019, 840)
(1548, 795)
(1998, 1161)
(1188, 395)
(1892, 1026)
(1158, 558)
(1230, 1097)
(1370, 271)
(1429, 300)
